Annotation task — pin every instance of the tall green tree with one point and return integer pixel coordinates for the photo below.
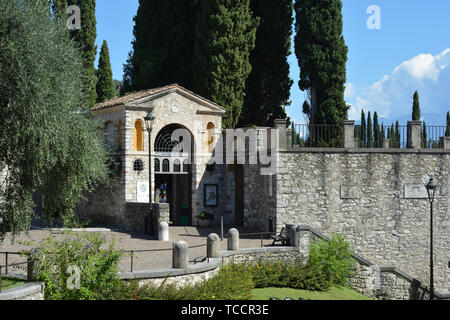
(376, 131)
(268, 85)
(447, 133)
(416, 107)
(369, 131)
(105, 82)
(397, 135)
(163, 47)
(322, 55)
(51, 143)
(225, 33)
(424, 135)
(85, 38)
(363, 130)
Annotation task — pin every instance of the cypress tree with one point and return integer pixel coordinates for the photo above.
(322, 55)
(85, 37)
(163, 47)
(369, 131)
(225, 32)
(363, 130)
(376, 131)
(59, 6)
(416, 107)
(397, 135)
(105, 82)
(268, 85)
(447, 133)
(424, 136)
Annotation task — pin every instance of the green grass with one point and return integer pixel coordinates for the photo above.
(332, 294)
(9, 283)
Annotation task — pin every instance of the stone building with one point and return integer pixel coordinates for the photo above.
(182, 175)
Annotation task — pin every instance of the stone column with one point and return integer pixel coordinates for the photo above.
(281, 125)
(304, 240)
(163, 231)
(180, 255)
(161, 213)
(233, 240)
(386, 143)
(444, 143)
(212, 246)
(30, 269)
(414, 135)
(348, 134)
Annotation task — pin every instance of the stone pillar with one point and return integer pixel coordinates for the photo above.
(444, 143)
(304, 240)
(386, 143)
(180, 255)
(30, 270)
(233, 240)
(163, 231)
(414, 135)
(281, 125)
(161, 213)
(212, 246)
(348, 134)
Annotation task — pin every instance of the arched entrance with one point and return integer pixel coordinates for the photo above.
(173, 172)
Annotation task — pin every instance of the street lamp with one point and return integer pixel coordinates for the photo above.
(431, 189)
(149, 120)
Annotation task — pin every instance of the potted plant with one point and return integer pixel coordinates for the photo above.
(205, 219)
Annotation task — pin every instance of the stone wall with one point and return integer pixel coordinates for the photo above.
(371, 198)
(28, 291)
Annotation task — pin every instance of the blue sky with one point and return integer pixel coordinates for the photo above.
(410, 52)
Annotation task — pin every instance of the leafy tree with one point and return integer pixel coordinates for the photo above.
(105, 82)
(163, 45)
(85, 38)
(268, 85)
(322, 55)
(225, 33)
(416, 107)
(46, 139)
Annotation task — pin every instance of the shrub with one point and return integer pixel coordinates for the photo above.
(96, 259)
(332, 261)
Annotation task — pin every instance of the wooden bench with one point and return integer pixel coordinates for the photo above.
(284, 237)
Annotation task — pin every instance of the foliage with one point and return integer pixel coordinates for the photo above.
(268, 85)
(332, 260)
(225, 36)
(85, 39)
(363, 130)
(322, 55)
(163, 45)
(91, 253)
(46, 139)
(447, 132)
(206, 216)
(105, 83)
(369, 131)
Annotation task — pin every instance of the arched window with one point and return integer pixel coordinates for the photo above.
(165, 166)
(157, 165)
(210, 137)
(176, 165)
(120, 135)
(138, 136)
(186, 166)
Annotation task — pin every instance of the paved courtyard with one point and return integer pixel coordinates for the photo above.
(194, 236)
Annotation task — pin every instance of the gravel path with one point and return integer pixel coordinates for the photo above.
(125, 241)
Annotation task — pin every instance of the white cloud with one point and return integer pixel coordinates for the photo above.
(391, 96)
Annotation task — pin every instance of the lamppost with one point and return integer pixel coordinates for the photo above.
(431, 189)
(149, 120)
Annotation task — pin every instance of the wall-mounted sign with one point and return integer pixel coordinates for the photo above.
(211, 195)
(143, 192)
(416, 191)
(349, 192)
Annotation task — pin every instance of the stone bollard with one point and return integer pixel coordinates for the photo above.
(233, 240)
(163, 231)
(294, 232)
(212, 246)
(30, 269)
(180, 255)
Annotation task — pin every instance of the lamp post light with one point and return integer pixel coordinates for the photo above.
(149, 120)
(431, 189)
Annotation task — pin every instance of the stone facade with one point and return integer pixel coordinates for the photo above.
(364, 195)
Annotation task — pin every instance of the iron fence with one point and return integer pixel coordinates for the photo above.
(317, 135)
(6, 267)
(431, 136)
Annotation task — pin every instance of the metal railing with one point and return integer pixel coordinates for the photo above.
(431, 136)
(317, 135)
(8, 265)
